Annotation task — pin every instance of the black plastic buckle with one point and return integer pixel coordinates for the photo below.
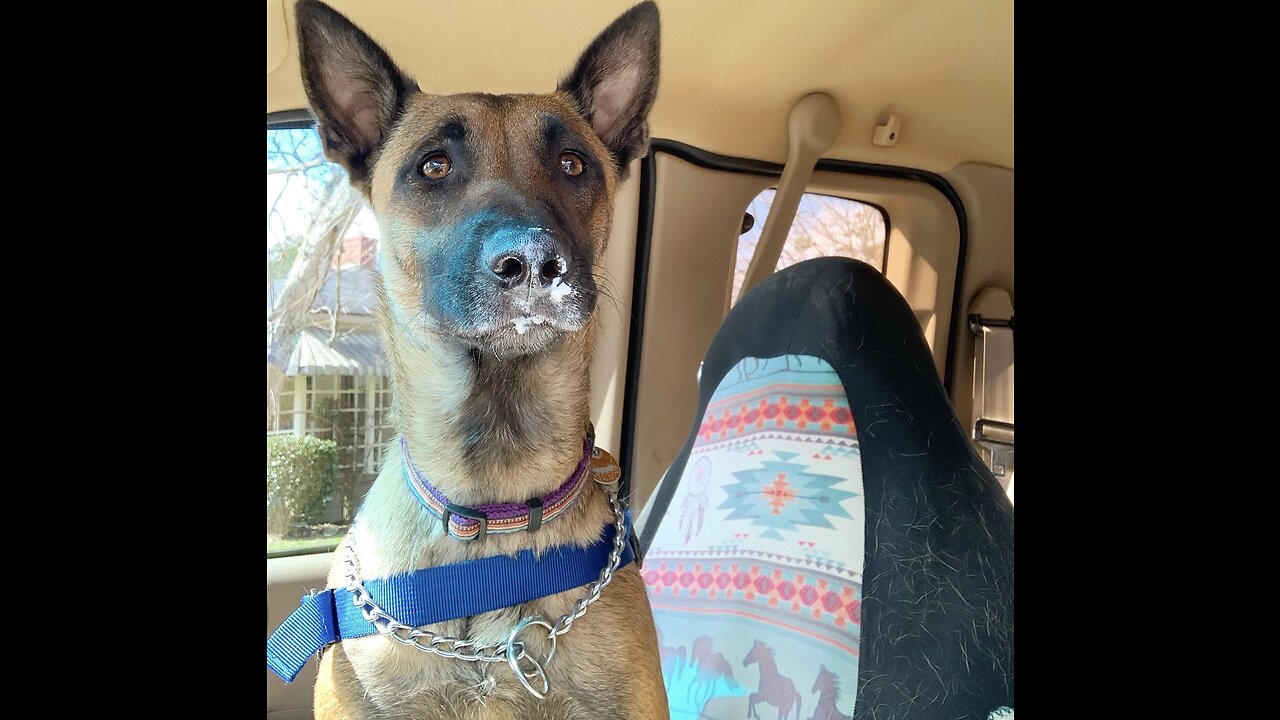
(466, 512)
(535, 513)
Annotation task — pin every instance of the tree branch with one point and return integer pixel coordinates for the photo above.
(297, 168)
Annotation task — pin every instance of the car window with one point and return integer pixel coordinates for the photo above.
(824, 225)
(327, 390)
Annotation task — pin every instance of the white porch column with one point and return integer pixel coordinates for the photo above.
(299, 405)
(370, 406)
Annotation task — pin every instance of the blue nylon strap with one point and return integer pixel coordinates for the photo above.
(302, 634)
(433, 595)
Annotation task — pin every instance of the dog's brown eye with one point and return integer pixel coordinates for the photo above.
(437, 166)
(571, 163)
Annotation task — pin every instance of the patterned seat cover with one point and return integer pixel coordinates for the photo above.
(755, 573)
(827, 543)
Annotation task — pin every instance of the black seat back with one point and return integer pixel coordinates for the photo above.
(935, 635)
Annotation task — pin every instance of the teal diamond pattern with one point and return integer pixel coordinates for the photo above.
(783, 496)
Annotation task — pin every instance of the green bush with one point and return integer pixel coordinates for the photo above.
(302, 475)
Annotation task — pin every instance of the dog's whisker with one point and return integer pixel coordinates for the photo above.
(402, 329)
(605, 289)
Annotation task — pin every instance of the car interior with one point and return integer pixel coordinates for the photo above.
(827, 200)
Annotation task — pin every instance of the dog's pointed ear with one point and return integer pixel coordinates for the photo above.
(355, 90)
(615, 81)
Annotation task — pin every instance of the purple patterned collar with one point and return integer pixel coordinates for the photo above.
(468, 524)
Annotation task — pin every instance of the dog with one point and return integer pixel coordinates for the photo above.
(495, 211)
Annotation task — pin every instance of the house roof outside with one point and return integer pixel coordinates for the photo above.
(354, 286)
(352, 281)
(351, 289)
(355, 352)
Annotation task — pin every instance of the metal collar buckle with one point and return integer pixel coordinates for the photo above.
(450, 509)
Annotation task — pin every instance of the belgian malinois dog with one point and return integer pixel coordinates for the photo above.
(495, 211)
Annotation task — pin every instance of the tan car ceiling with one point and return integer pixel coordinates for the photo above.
(731, 69)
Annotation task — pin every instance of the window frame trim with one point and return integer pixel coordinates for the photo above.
(291, 120)
(728, 163)
(884, 217)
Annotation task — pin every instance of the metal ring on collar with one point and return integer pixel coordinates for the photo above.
(539, 670)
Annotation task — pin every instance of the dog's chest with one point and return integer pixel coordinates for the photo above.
(401, 681)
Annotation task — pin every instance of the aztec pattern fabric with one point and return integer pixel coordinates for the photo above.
(755, 573)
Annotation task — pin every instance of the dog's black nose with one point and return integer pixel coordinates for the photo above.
(529, 255)
(510, 269)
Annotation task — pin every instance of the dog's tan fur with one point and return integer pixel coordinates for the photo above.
(607, 666)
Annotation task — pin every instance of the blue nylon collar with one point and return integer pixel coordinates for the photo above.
(437, 594)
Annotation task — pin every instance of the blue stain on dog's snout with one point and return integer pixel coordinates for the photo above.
(460, 261)
(450, 259)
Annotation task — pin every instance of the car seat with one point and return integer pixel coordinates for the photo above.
(827, 543)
